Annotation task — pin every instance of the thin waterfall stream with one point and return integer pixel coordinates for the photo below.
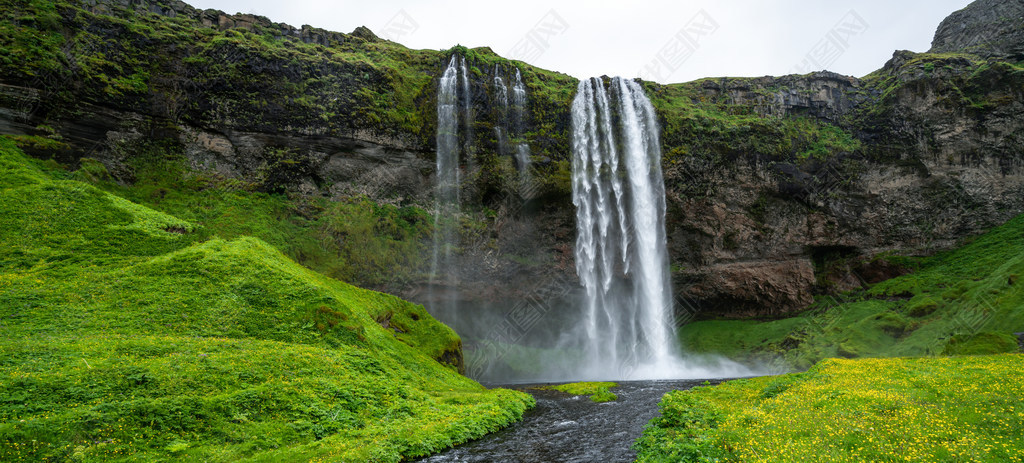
(443, 270)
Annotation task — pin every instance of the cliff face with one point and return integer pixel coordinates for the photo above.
(986, 27)
(937, 157)
(779, 188)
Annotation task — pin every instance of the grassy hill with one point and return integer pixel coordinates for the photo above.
(129, 334)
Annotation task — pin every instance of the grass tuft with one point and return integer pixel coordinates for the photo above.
(598, 391)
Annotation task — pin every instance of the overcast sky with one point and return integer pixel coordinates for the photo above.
(665, 41)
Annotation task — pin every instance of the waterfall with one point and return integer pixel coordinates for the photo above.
(467, 113)
(448, 138)
(501, 94)
(518, 108)
(621, 254)
(447, 189)
(502, 129)
(502, 89)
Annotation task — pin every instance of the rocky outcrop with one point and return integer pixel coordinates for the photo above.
(989, 28)
(220, 20)
(309, 164)
(824, 95)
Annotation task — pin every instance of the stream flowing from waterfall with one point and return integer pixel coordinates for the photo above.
(571, 429)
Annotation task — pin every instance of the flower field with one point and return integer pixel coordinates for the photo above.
(946, 409)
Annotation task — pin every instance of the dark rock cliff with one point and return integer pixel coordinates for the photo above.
(986, 28)
(779, 188)
(939, 158)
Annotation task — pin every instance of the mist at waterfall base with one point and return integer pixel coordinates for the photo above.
(614, 321)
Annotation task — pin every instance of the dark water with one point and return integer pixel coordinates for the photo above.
(564, 428)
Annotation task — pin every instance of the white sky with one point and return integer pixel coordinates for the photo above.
(730, 38)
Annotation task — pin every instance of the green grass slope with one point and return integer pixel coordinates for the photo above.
(352, 239)
(126, 334)
(965, 301)
(915, 410)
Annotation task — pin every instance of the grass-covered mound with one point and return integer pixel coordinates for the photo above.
(352, 239)
(917, 410)
(598, 391)
(966, 301)
(126, 334)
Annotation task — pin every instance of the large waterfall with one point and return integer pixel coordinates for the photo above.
(618, 322)
(621, 256)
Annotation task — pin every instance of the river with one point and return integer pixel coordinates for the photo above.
(565, 428)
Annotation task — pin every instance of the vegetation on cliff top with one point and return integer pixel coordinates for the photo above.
(917, 410)
(248, 78)
(130, 334)
(205, 77)
(695, 124)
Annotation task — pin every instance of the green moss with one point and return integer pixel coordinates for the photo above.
(720, 132)
(922, 307)
(598, 391)
(982, 343)
(352, 239)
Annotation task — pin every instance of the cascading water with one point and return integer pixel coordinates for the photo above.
(502, 96)
(513, 118)
(502, 89)
(621, 255)
(467, 111)
(448, 137)
(518, 107)
(618, 323)
(447, 189)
